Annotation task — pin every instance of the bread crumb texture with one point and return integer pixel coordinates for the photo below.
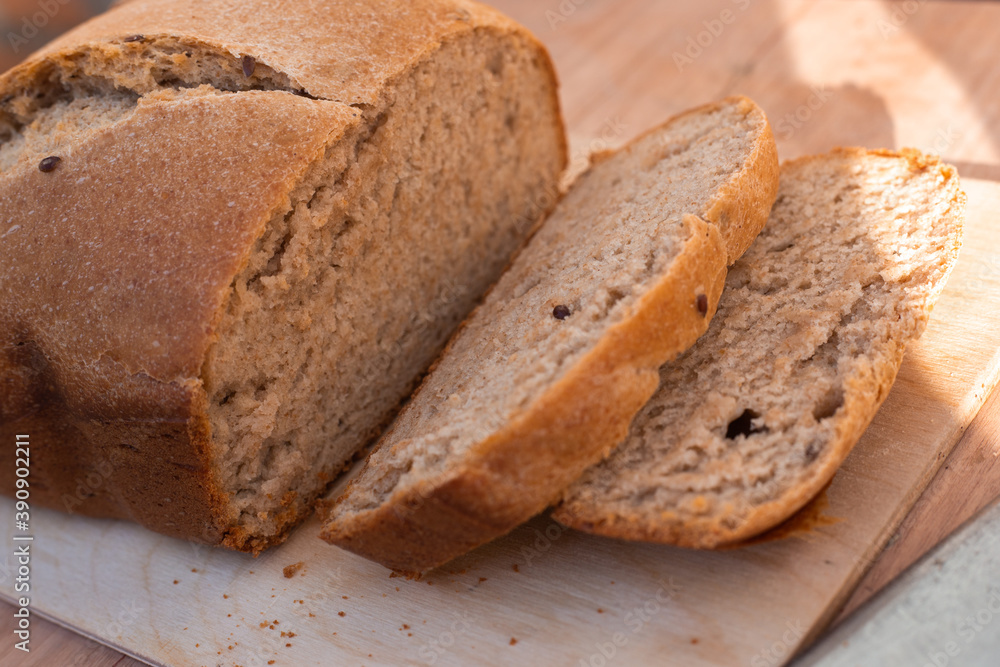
(755, 418)
(262, 230)
(544, 376)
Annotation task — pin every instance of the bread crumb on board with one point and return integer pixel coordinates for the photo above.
(290, 570)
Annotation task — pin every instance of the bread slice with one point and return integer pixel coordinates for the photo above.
(755, 419)
(545, 376)
(267, 220)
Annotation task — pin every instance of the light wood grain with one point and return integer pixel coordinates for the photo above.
(932, 84)
(886, 78)
(968, 481)
(53, 645)
(927, 616)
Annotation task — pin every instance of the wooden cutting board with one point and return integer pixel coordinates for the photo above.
(827, 73)
(542, 595)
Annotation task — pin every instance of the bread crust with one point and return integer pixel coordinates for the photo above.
(324, 48)
(104, 370)
(518, 471)
(863, 396)
(102, 360)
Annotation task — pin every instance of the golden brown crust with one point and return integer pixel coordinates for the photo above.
(864, 394)
(130, 259)
(520, 470)
(102, 363)
(738, 206)
(325, 48)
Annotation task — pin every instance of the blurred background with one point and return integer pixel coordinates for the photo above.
(881, 73)
(27, 25)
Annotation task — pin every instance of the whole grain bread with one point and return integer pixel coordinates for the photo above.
(755, 419)
(264, 223)
(544, 377)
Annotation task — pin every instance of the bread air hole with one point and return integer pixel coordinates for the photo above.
(743, 425)
(829, 404)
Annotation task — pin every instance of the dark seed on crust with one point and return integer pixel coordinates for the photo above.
(561, 312)
(702, 304)
(249, 65)
(48, 164)
(134, 38)
(812, 451)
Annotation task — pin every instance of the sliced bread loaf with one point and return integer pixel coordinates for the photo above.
(259, 224)
(754, 419)
(545, 376)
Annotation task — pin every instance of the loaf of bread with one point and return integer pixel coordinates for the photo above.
(543, 379)
(755, 419)
(236, 233)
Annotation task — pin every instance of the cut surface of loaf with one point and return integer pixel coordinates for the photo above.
(755, 418)
(266, 222)
(542, 380)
